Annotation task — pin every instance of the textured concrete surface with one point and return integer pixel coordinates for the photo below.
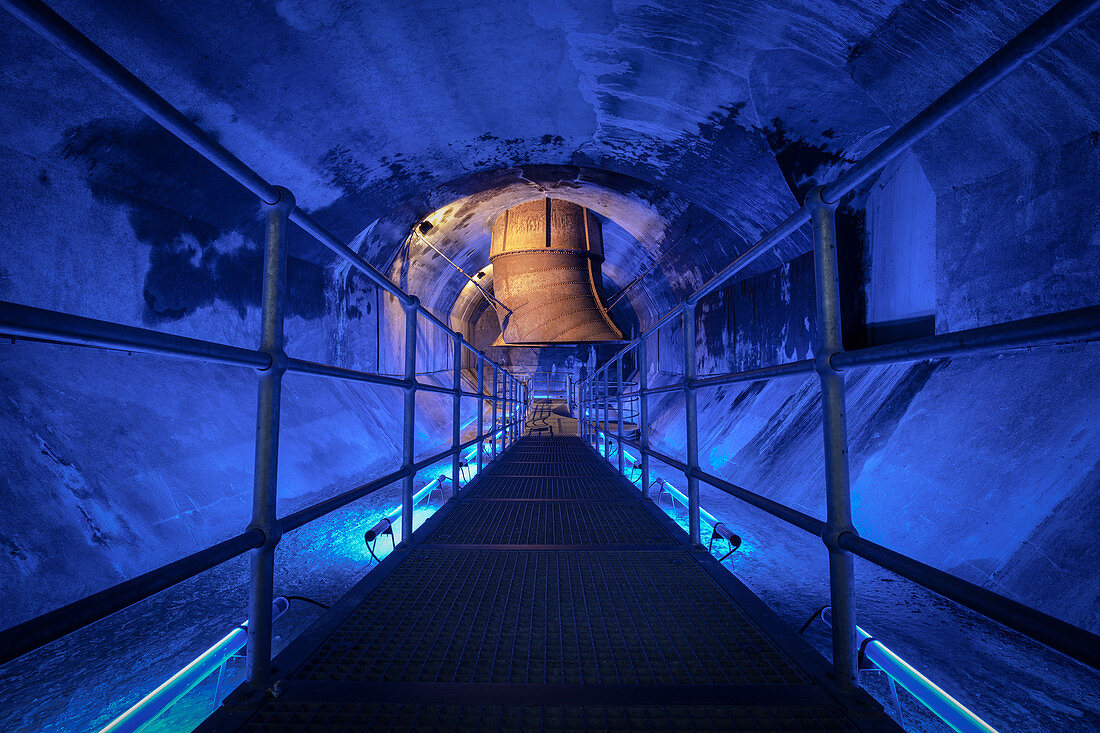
(967, 464)
(690, 128)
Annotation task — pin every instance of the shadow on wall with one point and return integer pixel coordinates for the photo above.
(192, 262)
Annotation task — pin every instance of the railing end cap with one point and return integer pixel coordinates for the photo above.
(284, 200)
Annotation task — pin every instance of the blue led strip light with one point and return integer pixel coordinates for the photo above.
(927, 693)
(150, 707)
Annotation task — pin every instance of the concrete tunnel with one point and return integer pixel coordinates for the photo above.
(686, 132)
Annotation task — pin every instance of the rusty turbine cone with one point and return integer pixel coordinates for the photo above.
(546, 257)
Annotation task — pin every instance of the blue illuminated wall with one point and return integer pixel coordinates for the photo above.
(985, 467)
(693, 143)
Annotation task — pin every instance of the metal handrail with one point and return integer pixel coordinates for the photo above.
(830, 359)
(21, 322)
(41, 630)
(934, 698)
(26, 322)
(53, 625)
(1072, 326)
(1076, 325)
(1040, 34)
(1033, 39)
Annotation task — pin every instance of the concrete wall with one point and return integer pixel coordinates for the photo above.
(901, 282)
(115, 464)
(985, 467)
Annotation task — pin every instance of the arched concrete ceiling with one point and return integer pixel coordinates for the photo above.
(677, 120)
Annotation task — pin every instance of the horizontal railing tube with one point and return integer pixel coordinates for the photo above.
(51, 26)
(1082, 324)
(1048, 28)
(675, 463)
(38, 323)
(432, 459)
(666, 389)
(765, 244)
(793, 369)
(299, 366)
(303, 517)
(1066, 638)
(334, 245)
(1072, 641)
(1061, 636)
(53, 625)
(655, 326)
(425, 387)
(780, 511)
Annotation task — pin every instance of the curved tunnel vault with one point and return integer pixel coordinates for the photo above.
(687, 147)
(657, 245)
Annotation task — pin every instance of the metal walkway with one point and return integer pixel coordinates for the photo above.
(550, 596)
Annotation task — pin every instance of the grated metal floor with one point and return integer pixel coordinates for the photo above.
(548, 489)
(312, 716)
(549, 597)
(551, 523)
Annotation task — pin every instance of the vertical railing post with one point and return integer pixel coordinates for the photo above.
(496, 397)
(607, 413)
(408, 442)
(480, 412)
(838, 501)
(594, 411)
(579, 386)
(265, 478)
(509, 408)
(594, 408)
(598, 437)
(582, 409)
(583, 412)
(620, 410)
(691, 410)
(589, 412)
(643, 412)
(456, 417)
